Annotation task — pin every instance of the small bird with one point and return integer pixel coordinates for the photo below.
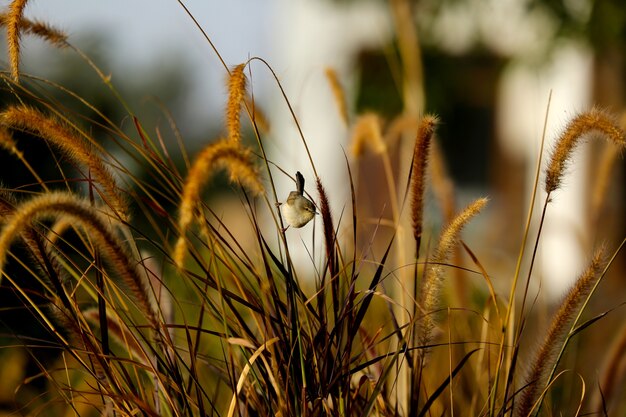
(298, 210)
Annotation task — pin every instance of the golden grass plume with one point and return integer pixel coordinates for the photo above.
(434, 275)
(221, 154)
(418, 176)
(84, 215)
(543, 360)
(592, 121)
(13, 24)
(338, 93)
(367, 135)
(236, 95)
(7, 142)
(72, 144)
(31, 238)
(38, 28)
(329, 228)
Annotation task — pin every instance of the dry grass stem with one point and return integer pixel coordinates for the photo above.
(418, 176)
(13, 24)
(236, 95)
(96, 225)
(367, 135)
(338, 93)
(543, 360)
(593, 121)
(258, 116)
(226, 154)
(72, 144)
(37, 28)
(121, 334)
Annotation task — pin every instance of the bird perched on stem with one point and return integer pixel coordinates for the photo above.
(298, 210)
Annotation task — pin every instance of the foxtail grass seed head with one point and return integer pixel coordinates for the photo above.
(96, 226)
(545, 357)
(223, 154)
(72, 144)
(593, 121)
(451, 234)
(236, 95)
(7, 142)
(367, 135)
(338, 93)
(418, 176)
(328, 227)
(180, 249)
(435, 274)
(40, 29)
(14, 23)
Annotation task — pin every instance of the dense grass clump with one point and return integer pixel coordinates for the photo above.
(154, 305)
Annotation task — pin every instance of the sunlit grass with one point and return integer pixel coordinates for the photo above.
(153, 304)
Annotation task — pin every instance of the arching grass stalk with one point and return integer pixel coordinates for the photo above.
(72, 144)
(581, 293)
(544, 361)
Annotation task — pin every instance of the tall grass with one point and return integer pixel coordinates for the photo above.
(172, 313)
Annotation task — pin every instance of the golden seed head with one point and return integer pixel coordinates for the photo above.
(367, 135)
(39, 29)
(425, 132)
(13, 24)
(338, 93)
(223, 154)
(593, 121)
(72, 143)
(236, 95)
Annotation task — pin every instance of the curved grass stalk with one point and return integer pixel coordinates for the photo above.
(585, 295)
(70, 143)
(245, 371)
(221, 154)
(59, 204)
(547, 356)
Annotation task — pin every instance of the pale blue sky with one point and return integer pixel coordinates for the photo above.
(142, 33)
(141, 29)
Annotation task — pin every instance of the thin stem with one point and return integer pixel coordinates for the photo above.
(511, 306)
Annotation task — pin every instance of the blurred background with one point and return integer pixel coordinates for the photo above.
(487, 68)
